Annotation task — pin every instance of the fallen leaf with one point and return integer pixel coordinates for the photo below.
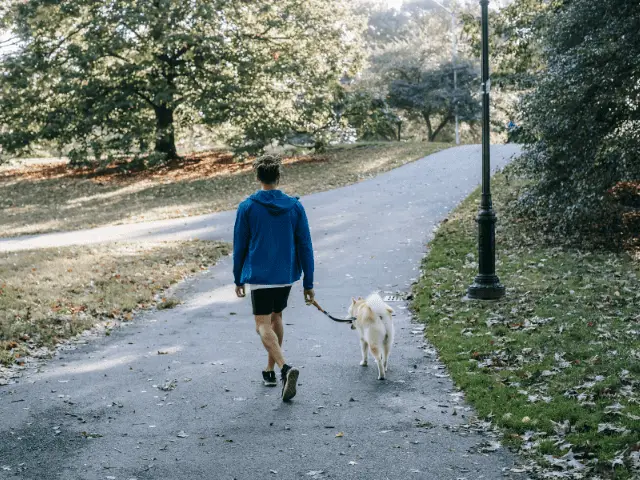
(168, 386)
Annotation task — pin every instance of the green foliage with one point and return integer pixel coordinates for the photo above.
(430, 94)
(415, 70)
(584, 118)
(516, 35)
(112, 78)
(516, 44)
(370, 115)
(387, 24)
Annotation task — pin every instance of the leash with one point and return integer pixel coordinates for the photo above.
(335, 319)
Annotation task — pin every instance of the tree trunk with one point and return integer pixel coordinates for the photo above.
(427, 120)
(440, 127)
(399, 131)
(165, 135)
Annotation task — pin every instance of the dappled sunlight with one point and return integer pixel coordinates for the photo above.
(126, 190)
(21, 210)
(83, 366)
(77, 200)
(171, 211)
(69, 290)
(221, 295)
(13, 230)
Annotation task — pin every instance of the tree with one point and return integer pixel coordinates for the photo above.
(584, 116)
(115, 77)
(370, 114)
(516, 41)
(517, 36)
(415, 71)
(430, 94)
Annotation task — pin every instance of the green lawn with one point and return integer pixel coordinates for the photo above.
(556, 364)
(47, 198)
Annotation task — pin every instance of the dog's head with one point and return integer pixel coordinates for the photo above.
(353, 309)
(355, 306)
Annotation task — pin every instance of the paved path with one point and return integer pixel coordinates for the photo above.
(453, 173)
(219, 422)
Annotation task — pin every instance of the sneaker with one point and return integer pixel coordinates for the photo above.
(269, 379)
(289, 377)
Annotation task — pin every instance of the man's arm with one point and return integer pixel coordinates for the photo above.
(241, 236)
(305, 248)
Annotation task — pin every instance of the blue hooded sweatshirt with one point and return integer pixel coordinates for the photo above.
(271, 241)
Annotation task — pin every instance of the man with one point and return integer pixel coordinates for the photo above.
(271, 249)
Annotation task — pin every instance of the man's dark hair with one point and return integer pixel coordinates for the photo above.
(268, 168)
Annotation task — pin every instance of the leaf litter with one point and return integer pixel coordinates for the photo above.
(551, 359)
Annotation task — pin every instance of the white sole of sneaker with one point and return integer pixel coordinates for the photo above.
(289, 390)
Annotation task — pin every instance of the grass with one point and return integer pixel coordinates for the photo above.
(51, 294)
(556, 364)
(49, 197)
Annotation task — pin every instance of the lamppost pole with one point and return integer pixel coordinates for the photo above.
(455, 73)
(486, 285)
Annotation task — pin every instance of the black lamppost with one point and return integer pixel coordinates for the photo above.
(486, 285)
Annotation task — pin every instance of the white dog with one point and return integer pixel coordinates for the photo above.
(375, 326)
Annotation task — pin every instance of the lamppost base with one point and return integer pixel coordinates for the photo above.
(486, 288)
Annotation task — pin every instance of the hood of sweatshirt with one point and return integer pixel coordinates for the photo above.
(275, 201)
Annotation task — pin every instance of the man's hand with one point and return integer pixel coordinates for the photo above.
(240, 292)
(309, 296)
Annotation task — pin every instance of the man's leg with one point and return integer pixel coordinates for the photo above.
(269, 339)
(278, 328)
(270, 329)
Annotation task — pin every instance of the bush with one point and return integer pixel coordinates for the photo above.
(585, 121)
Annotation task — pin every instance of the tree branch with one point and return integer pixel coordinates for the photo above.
(115, 55)
(72, 34)
(445, 120)
(10, 41)
(132, 31)
(144, 97)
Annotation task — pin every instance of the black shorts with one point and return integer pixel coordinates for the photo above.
(266, 301)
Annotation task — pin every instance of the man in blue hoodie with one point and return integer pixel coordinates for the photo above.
(271, 249)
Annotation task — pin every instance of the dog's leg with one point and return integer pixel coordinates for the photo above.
(365, 352)
(377, 354)
(386, 347)
(385, 357)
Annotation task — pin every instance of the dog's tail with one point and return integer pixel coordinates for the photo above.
(378, 306)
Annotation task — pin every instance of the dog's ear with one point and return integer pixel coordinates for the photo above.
(353, 300)
(360, 298)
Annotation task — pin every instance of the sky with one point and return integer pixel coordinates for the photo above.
(494, 3)
(4, 37)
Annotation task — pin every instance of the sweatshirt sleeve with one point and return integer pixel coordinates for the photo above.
(241, 236)
(305, 248)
